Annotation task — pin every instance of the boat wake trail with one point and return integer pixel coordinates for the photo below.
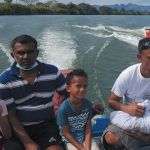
(96, 77)
(58, 48)
(6, 52)
(130, 36)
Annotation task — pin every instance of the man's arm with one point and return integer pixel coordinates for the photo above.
(5, 127)
(18, 129)
(4, 124)
(133, 109)
(97, 108)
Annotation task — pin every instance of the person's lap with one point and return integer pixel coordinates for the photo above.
(46, 135)
(125, 140)
(94, 146)
(13, 144)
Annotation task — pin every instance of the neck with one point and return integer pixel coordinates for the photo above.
(29, 75)
(28, 72)
(76, 102)
(29, 68)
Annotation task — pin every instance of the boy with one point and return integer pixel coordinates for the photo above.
(74, 115)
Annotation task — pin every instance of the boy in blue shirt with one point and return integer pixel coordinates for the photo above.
(74, 115)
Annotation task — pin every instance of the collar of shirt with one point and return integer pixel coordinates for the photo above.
(15, 71)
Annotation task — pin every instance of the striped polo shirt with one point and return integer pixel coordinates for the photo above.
(32, 102)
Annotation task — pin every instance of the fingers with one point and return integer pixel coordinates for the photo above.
(139, 114)
(140, 111)
(140, 107)
(136, 110)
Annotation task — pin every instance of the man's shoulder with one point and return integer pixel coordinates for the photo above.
(48, 68)
(130, 70)
(132, 67)
(6, 76)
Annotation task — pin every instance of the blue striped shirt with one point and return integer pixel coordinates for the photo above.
(32, 102)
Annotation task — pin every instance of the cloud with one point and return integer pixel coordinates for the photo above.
(139, 2)
(108, 2)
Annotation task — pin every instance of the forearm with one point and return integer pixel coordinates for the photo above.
(88, 137)
(71, 139)
(5, 127)
(18, 129)
(88, 140)
(116, 105)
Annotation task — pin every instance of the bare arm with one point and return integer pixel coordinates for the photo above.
(5, 127)
(71, 139)
(88, 136)
(21, 133)
(4, 124)
(131, 108)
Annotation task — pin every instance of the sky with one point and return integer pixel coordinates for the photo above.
(108, 2)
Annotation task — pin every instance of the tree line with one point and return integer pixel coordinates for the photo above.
(33, 7)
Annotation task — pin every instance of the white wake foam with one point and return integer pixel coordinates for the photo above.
(58, 48)
(97, 28)
(96, 77)
(130, 36)
(101, 35)
(90, 49)
(6, 52)
(106, 44)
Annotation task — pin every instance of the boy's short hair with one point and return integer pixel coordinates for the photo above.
(24, 39)
(75, 72)
(144, 44)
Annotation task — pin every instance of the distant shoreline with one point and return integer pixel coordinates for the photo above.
(62, 9)
(67, 15)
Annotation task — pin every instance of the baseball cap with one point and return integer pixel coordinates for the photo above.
(144, 44)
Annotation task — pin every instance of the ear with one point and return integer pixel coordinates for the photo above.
(12, 54)
(68, 88)
(139, 57)
(37, 53)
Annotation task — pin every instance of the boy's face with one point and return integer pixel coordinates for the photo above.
(77, 88)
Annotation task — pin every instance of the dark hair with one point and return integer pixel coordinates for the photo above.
(75, 72)
(24, 39)
(144, 44)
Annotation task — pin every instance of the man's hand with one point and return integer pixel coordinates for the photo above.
(97, 107)
(134, 109)
(31, 146)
